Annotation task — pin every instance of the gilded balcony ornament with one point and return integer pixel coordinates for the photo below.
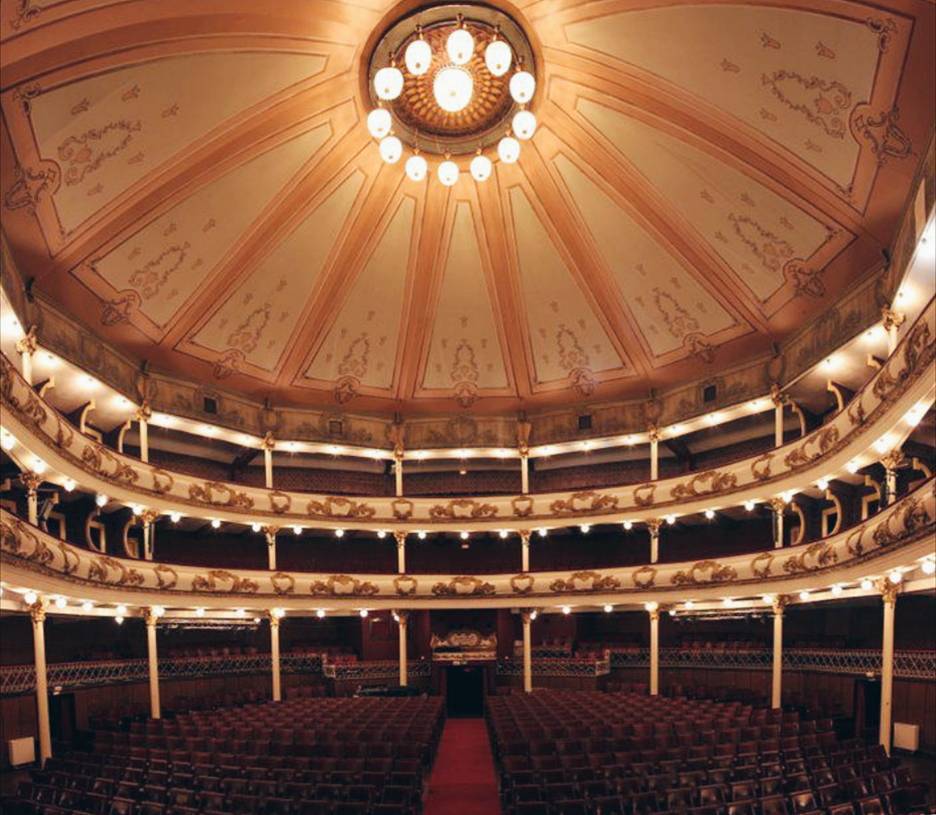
(894, 460)
(341, 508)
(888, 590)
(100, 568)
(817, 555)
(522, 583)
(760, 566)
(918, 352)
(585, 501)
(216, 494)
(854, 544)
(856, 413)
(215, 579)
(462, 508)
(163, 481)
(280, 502)
(283, 583)
(28, 343)
(777, 396)
(643, 495)
(342, 584)
(463, 586)
(644, 577)
(402, 509)
(37, 611)
(696, 486)
(779, 604)
(813, 448)
(586, 581)
(760, 467)
(64, 435)
(705, 571)
(907, 519)
(31, 481)
(405, 585)
(891, 319)
(166, 577)
(522, 506)
(268, 442)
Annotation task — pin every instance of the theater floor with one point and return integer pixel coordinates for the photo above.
(463, 781)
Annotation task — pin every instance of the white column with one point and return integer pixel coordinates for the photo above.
(152, 618)
(142, 416)
(776, 692)
(275, 653)
(776, 396)
(270, 534)
(148, 517)
(524, 473)
(891, 462)
(525, 550)
(889, 595)
(653, 527)
(268, 444)
(402, 619)
(654, 611)
(527, 617)
(37, 612)
(777, 506)
(398, 472)
(400, 551)
(27, 345)
(654, 454)
(31, 481)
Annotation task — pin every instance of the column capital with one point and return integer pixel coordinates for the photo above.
(777, 396)
(274, 615)
(888, 590)
(150, 616)
(894, 459)
(147, 516)
(527, 615)
(268, 442)
(777, 504)
(28, 343)
(891, 318)
(402, 616)
(780, 602)
(525, 535)
(31, 481)
(653, 432)
(653, 526)
(37, 611)
(654, 615)
(400, 535)
(144, 412)
(270, 531)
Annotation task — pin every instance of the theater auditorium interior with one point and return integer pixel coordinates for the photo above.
(466, 408)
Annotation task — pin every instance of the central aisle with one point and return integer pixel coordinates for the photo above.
(463, 781)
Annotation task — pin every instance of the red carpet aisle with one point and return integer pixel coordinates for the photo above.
(463, 781)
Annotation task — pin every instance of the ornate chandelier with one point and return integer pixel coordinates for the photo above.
(452, 81)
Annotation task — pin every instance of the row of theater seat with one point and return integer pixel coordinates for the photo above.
(294, 771)
(639, 756)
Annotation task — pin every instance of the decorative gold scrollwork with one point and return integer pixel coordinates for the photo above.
(643, 495)
(705, 571)
(463, 585)
(760, 566)
(217, 494)
(402, 509)
(462, 508)
(283, 583)
(216, 577)
(280, 502)
(522, 583)
(343, 584)
(644, 577)
(522, 506)
(405, 585)
(166, 576)
(586, 581)
(586, 501)
(695, 486)
(343, 508)
(815, 556)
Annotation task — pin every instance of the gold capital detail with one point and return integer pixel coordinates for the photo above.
(777, 396)
(781, 601)
(27, 344)
(891, 319)
(274, 620)
(144, 412)
(653, 432)
(888, 590)
(402, 617)
(149, 616)
(270, 532)
(37, 612)
(526, 615)
(400, 536)
(31, 481)
(268, 442)
(148, 516)
(653, 526)
(778, 505)
(893, 460)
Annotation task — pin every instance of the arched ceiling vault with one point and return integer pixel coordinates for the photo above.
(193, 180)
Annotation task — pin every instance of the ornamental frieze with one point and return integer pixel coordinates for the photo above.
(216, 579)
(338, 585)
(102, 566)
(522, 583)
(812, 448)
(462, 508)
(910, 516)
(283, 583)
(585, 501)
(340, 508)
(217, 494)
(706, 483)
(586, 581)
(817, 555)
(462, 586)
(760, 566)
(705, 571)
(405, 585)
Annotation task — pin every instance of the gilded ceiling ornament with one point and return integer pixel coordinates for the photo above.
(881, 132)
(85, 154)
(154, 274)
(824, 103)
(679, 322)
(30, 184)
(700, 348)
(769, 248)
(806, 281)
(228, 363)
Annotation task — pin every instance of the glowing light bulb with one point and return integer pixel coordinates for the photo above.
(448, 173)
(460, 46)
(452, 88)
(30, 598)
(867, 584)
(503, 534)
(379, 122)
(463, 535)
(418, 57)
(320, 613)
(215, 523)
(87, 605)
(416, 168)
(363, 612)
(279, 613)
(121, 611)
(199, 612)
(542, 532)
(523, 124)
(836, 590)
(651, 606)
(69, 485)
(628, 526)
(749, 506)
(608, 608)
(688, 605)
(710, 514)
(421, 535)
(175, 517)
(895, 576)
(381, 534)
(508, 150)
(391, 149)
(159, 611)
(804, 596)
(929, 567)
(498, 57)
(297, 530)
(522, 87)
(480, 168)
(101, 500)
(119, 619)
(566, 609)
(585, 528)
(388, 83)
(60, 602)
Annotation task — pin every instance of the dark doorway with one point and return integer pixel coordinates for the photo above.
(464, 690)
(867, 708)
(62, 717)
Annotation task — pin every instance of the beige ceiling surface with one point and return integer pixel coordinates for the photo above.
(195, 183)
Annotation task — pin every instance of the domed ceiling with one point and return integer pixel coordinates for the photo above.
(193, 180)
